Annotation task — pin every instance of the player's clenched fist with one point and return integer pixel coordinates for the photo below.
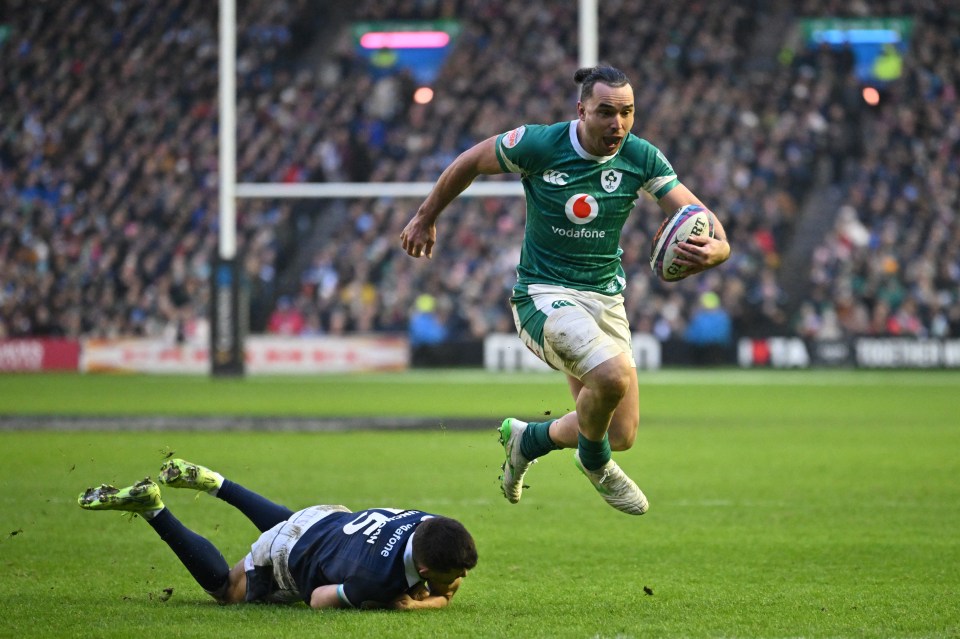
(418, 238)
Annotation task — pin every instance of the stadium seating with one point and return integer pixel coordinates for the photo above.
(890, 264)
(108, 156)
(108, 212)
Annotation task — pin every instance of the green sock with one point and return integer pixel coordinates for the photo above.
(593, 455)
(536, 440)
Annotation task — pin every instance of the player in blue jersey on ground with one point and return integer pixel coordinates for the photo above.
(326, 556)
(581, 179)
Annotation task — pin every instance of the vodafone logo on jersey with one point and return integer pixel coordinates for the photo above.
(512, 138)
(581, 208)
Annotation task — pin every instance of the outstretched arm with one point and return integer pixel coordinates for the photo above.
(698, 252)
(420, 234)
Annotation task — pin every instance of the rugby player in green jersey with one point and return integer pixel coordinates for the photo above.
(581, 179)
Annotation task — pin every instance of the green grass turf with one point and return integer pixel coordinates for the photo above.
(783, 504)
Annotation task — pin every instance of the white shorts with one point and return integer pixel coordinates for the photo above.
(272, 550)
(572, 331)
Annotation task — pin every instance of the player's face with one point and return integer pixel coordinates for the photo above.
(606, 118)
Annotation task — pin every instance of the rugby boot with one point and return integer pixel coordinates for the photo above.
(515, 466)
(615, 487)
(141, 497)
(179, 473)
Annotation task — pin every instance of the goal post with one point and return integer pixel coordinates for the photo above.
(229, 300)
(228, 309)
(348, 190)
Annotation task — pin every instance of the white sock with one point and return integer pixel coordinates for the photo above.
(214, 491)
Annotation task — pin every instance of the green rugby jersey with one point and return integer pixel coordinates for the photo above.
(577, 203)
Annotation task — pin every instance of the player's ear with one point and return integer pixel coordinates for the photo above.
(581, 111)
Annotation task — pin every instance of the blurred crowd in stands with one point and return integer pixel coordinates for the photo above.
(890, 264)
(108, 161)
(108, 166)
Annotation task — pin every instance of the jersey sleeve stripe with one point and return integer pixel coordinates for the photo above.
(343, 597)
(660, 186)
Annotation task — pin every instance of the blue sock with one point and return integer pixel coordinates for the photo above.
(196, 553)
(261, 511)
(536, 440)
(593, 455)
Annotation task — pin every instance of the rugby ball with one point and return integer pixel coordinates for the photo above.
(688, 220)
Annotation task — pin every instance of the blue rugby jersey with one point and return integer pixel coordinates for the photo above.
(365, 551)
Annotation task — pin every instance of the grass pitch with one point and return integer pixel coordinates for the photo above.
(783, 504)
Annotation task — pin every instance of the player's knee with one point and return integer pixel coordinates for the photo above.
(235, 590)
(611, 381)
(223, 596)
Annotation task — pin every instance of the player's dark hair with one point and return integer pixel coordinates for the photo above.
(589, 76)
(443, 544)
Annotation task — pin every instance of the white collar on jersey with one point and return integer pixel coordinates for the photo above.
(582, 152)
(410, 568)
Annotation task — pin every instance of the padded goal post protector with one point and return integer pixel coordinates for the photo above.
(228, 318)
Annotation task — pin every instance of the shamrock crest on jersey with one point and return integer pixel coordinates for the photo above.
(610, 180)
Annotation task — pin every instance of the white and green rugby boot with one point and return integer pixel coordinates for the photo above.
(179, 473)
(515, 466)
(615, 487)
(144, 496)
